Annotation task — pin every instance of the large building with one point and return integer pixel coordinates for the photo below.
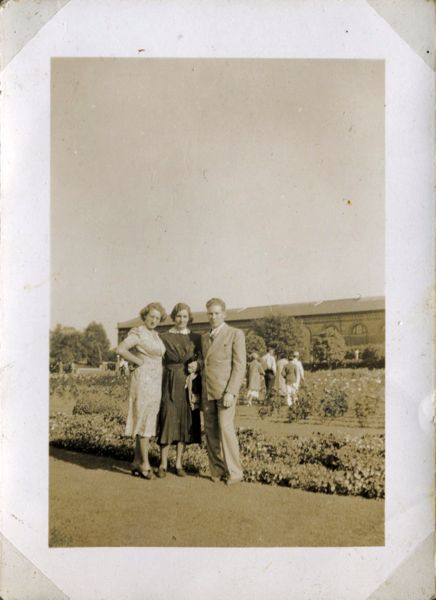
(361, 321)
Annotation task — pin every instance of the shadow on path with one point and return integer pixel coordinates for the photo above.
(90, 461)
(104, 463)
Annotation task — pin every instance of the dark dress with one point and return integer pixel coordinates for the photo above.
(177, 422)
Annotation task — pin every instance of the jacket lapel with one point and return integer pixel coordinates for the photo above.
(219, 339)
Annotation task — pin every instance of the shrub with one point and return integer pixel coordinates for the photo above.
(334, 402)
(254, 343)
(374, 356)
(324, 463)
(329, 347)
(302, 408)
(111, 408)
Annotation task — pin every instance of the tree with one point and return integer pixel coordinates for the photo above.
(285, 334)
(254, 343)
(329, 347)
(66, 345)
(96, 343)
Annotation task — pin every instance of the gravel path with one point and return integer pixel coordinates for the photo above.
(94, 501)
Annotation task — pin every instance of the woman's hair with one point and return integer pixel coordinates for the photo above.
(217, 301)
(254, 356)
(182, 306)
(156, 306)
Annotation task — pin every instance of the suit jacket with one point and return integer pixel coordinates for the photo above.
(223, 362)
(290, 373)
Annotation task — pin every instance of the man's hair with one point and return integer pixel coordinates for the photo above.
(217, 301)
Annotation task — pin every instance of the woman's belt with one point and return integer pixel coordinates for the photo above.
(173, 366)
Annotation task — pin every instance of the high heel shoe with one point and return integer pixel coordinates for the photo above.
(137, 471)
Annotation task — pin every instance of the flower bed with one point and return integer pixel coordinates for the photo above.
(343, 396)
(323, 463)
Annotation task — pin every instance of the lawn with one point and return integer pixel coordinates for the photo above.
(338, 448)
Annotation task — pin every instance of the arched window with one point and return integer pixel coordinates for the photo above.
(331, 328)
(358, 329)
(359, 334)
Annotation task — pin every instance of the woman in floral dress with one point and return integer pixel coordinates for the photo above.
(179, 417)
(144, 349)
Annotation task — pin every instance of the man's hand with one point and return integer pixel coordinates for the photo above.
(228, 400)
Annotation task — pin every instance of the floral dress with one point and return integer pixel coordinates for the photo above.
(145, 382)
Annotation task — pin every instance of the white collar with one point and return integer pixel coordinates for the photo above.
(216, 330)
(185, 331)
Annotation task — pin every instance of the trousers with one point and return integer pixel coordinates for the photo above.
(221, 440)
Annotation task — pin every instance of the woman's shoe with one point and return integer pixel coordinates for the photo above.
(148, 474)
(181, 472)
(161, 472)
(137, 471)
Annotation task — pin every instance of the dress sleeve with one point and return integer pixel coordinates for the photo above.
(132, 338)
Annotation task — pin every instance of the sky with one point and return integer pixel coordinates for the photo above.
(258, 181)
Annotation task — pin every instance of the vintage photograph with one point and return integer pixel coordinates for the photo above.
(217, 318)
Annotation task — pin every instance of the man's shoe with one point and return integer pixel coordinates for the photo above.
(217, 479)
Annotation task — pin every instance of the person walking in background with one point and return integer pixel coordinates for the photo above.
(280, 383)
(255, 372)
(223, 370)
(144, 349)
(270, 368)
(292, 377)
(297, 362)
(179, 415)
(124, 368)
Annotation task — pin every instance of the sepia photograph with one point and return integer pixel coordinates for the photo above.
(217, 318)
(217, 300)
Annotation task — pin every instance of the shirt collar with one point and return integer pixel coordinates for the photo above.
(213, 332)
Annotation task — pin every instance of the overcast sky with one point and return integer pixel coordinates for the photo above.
(260, 181)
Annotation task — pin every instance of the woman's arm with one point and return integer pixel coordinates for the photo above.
(124, 350)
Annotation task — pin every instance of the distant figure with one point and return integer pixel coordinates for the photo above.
(255, 372)
(291, 375)
(269, 366)
(297, 362)
(280, 384)
(124, 367)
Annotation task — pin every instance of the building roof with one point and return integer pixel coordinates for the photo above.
(324, 307)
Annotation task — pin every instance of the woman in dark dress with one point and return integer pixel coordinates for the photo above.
(179, 416)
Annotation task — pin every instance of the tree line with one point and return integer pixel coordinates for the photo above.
(90, 347)
(284, 334)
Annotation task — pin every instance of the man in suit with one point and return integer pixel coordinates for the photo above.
(223, 370)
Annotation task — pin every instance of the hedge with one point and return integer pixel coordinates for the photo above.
(328, 463)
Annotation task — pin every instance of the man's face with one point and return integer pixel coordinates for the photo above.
(216, 315)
